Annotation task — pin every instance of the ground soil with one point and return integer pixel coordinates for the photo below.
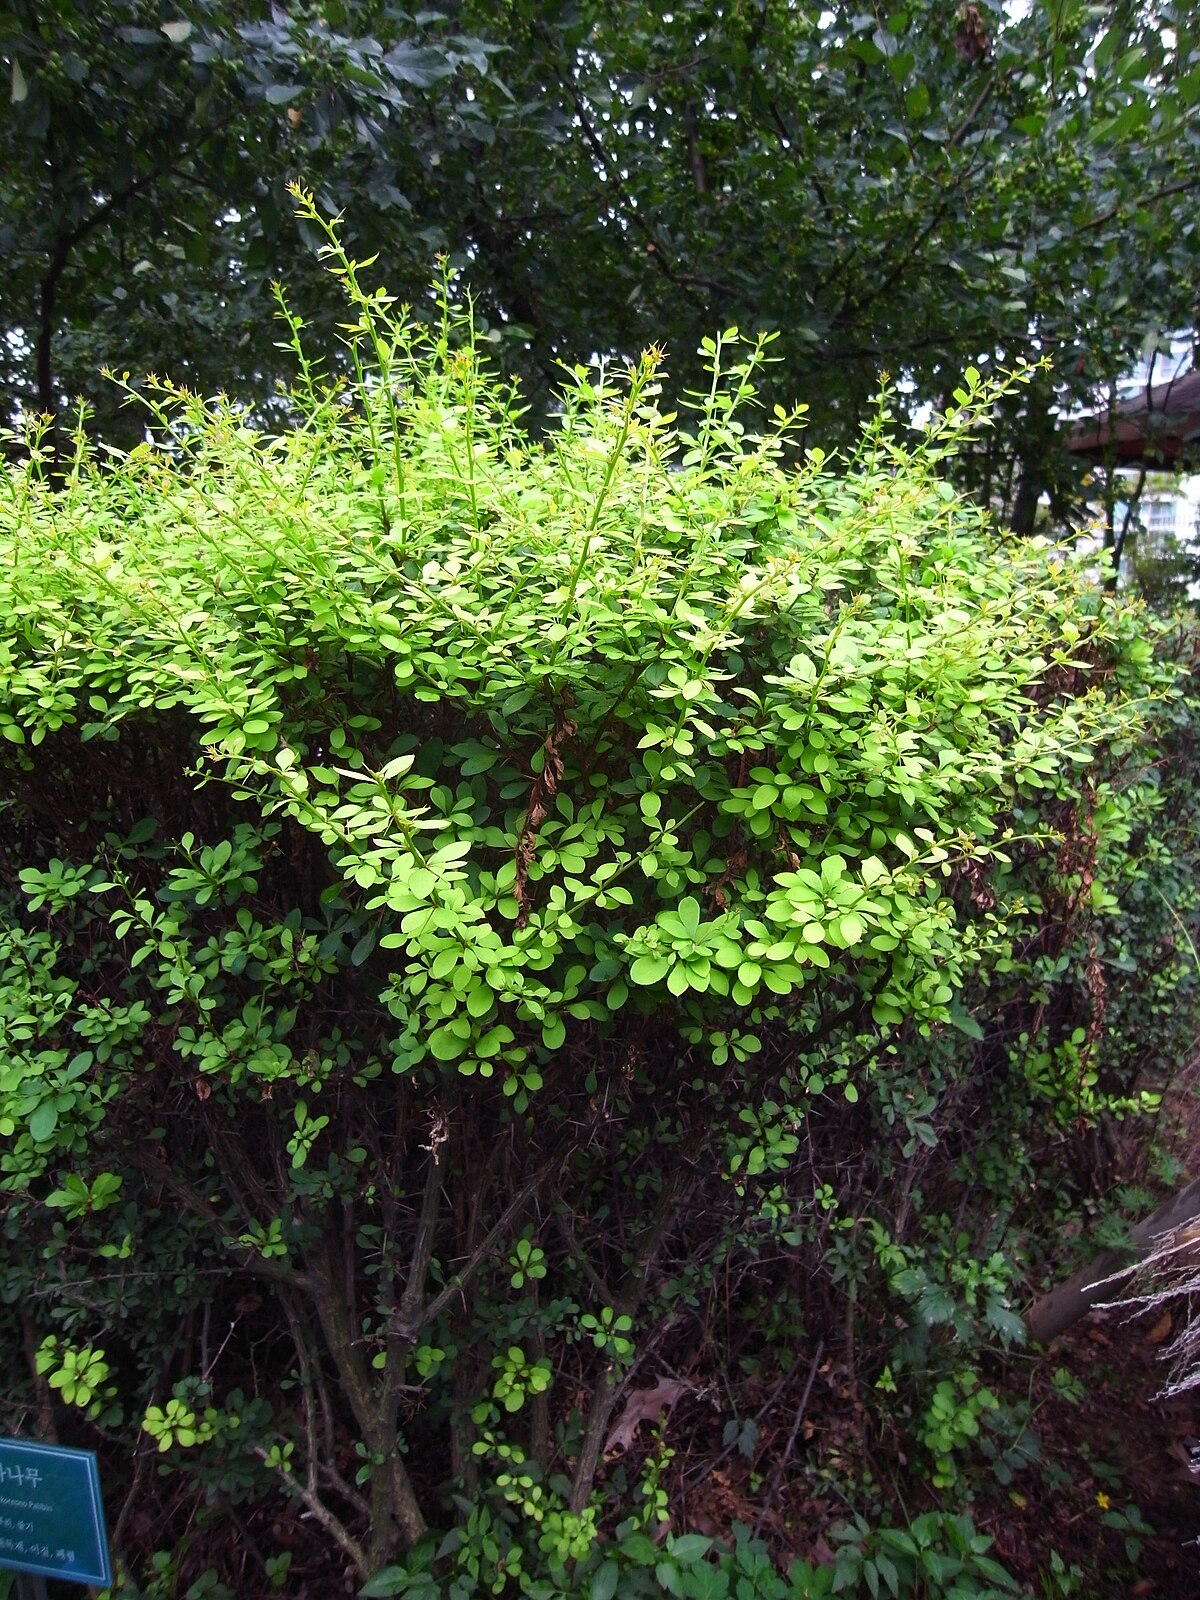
(1121, 1443)
(1118, 1445)
(1112, 1508)
(1116, 1448)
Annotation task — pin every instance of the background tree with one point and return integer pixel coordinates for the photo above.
(915, 190)
(145, 154)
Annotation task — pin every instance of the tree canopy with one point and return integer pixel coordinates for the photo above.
(914, 190)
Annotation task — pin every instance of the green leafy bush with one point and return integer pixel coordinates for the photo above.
(481, 914)
(939, 1556)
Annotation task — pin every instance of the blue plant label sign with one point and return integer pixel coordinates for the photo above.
(51, 1513)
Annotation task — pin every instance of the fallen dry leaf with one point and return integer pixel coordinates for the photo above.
(1160, 1330)
(644, 1405)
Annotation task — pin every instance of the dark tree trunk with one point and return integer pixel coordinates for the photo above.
(1059, 1310)
(1029, 492)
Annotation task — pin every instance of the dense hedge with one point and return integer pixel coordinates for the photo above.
(502, 939)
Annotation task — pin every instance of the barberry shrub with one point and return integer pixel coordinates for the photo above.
(484, 917)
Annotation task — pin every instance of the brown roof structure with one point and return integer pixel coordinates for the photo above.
(1157, 428)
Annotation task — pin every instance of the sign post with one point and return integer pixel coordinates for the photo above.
(51, 1516)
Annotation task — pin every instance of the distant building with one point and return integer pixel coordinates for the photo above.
(1168, 514)
(1150, 440)
(1157, 427)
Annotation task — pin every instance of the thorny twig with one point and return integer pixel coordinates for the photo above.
(781, 1466)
